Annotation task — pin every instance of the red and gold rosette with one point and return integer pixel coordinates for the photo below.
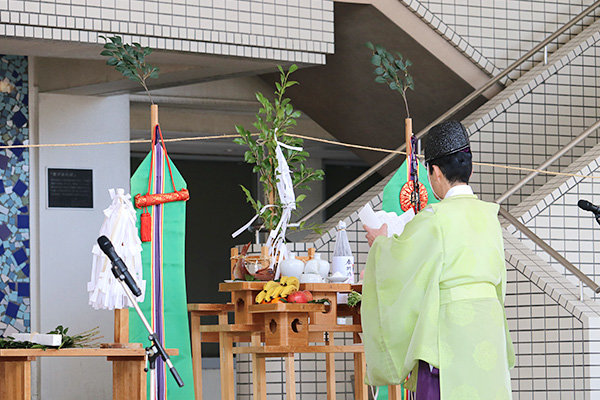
(405, 194)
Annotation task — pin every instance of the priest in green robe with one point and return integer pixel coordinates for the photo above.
(433, 297)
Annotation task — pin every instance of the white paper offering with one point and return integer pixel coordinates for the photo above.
(45, 339)
(395, 223)
(369, 218)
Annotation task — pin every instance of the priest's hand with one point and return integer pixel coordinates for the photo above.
(373, 233)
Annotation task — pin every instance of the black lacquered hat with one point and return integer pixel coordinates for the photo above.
(445, 138)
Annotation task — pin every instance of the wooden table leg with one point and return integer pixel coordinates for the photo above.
(15, 378)
(129, 378)
(330, 369)
(361, 391)
(290, 377)
(196, 354)
(394, 392)
(226, 361)
(259, 372)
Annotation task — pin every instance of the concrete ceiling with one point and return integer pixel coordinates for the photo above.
(78, 68)
(206, 94)
(215, 108)
(343, 98)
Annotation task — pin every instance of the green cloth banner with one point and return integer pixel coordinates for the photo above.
(174, 318)
(391, 192)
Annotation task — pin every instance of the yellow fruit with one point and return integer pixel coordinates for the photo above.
(261, 296)
(277, 292)
(288, 290)
(292, 281)
(270, 285)
(271, 293)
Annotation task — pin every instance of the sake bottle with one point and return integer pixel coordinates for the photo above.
(343, 260)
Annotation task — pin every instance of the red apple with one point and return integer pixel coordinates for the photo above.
(308, 295)
(297, 297)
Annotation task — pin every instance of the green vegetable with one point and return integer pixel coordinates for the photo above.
(320, 301)
(354, 298)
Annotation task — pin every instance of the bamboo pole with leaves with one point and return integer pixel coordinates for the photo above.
(392, 70)
(130, 60)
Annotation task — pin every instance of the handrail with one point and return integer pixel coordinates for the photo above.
(548, 162)
(526, 231)
(450, 112)
(546, 247)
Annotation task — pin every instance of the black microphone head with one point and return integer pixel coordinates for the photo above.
(585, 205)
(104, 243)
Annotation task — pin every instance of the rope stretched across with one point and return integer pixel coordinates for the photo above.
(314, 139)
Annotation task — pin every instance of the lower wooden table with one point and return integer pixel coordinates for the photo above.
(129, 378)
(278, 330)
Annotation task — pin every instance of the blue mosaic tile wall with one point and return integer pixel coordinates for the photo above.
(14, 196)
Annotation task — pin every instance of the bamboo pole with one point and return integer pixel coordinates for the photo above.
(153, 117)
(121, 331)
(408, 137)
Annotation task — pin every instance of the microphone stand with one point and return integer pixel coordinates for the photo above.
(156, 349)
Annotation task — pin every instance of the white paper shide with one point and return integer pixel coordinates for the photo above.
(105, 292)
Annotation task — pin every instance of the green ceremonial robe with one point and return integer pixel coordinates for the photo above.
(436, 293)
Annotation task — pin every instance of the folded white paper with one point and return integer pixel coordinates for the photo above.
(369, 218)
(39, 338)
(395, 223)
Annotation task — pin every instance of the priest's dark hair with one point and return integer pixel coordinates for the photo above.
(456, 167)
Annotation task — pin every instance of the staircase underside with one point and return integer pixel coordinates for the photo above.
(345, 100)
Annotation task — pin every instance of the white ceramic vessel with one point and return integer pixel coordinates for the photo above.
(312, 267)
(311, 278)
(323, 266)
(292, 266)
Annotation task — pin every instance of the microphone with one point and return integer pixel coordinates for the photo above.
(587, 206)
(119, 268)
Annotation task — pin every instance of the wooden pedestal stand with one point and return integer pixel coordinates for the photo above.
(278, 330)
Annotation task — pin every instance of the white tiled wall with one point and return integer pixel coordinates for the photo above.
(290, 30)
(535, 116)
(496, 33)
(554, 333)
(552, 213)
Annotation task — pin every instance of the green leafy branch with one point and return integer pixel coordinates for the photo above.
(392, 70)
(88, 338)
(130, 60)
(273, 121)
(84, 339)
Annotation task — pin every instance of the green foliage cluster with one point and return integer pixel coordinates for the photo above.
(354, 298)
(129, 60)
(85, 339)
(273, 121)
(392, 70)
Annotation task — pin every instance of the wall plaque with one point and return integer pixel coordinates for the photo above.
(70, 188)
